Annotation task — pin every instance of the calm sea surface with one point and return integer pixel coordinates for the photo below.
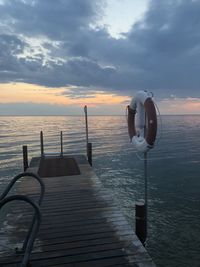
(173, 172)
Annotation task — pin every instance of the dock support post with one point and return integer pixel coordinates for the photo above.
(86, 125)
(25, 157)
(61, 144)
(88, 145)
(41, 144)
(140, 222)
(89, 153)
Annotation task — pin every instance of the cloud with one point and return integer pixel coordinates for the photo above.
(37, 109)
(74, 92)
(9, 64)
(174, 105)
(53, 19)
(161, 51)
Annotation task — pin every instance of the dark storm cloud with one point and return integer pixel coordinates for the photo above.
(10, 47)
(160, 53)
(54, 19)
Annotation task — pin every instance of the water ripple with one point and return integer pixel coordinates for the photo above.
(173, 170)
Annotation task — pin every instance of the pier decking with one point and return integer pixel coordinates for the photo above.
(81, 225)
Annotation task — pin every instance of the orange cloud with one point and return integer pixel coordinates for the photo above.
(180, 106)
(194, 105)
(23, 93)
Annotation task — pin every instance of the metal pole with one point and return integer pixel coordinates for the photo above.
(61, 143)
(141, 208)
(41, 144)
(25, 157)
(146, 190)
(145, 179)
(86, 125)
(88, 145)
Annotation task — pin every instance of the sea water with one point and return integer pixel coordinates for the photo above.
(173, 172)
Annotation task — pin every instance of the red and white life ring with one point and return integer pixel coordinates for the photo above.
(143, 105)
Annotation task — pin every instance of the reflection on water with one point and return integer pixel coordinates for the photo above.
(173, 170)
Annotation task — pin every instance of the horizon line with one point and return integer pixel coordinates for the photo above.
(78, 115)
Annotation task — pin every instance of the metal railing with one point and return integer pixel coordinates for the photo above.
(61, 154)
(21, 175)
(30, 237)
(43, 154)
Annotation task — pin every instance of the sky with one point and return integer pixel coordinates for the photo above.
(57, 56)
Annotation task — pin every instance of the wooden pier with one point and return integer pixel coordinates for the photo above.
(81, 225)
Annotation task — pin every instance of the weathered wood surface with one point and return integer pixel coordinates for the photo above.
(81, 225)
(60, 166)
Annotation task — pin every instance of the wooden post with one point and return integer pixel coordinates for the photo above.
(140, 222)
(86, 128)
(61, 143)
(41, 144)
(89, 153)
(88, 145)
(86, 124)
(25, 157)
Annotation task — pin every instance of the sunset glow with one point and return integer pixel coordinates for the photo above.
(180, 106)
(29, 93)
(23, 93)
(98, 53)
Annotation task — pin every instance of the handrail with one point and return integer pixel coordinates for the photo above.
(21, 175)
(9, 187)
(34, 228)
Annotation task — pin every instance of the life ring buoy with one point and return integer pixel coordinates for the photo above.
(143, 105)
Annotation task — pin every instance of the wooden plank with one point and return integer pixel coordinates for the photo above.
(81, 226)
(81, 257)
(80, 244)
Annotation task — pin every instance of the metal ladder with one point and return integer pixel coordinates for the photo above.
(43, 154)
(36, 220)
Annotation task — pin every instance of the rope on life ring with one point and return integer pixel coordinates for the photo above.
(143, 105)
